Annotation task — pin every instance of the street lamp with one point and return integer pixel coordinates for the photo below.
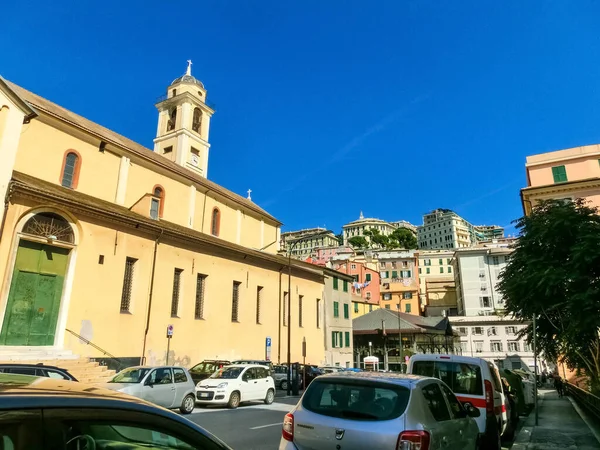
(289, 310)
(399, 339)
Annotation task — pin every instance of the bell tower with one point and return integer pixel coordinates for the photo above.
(183, 124)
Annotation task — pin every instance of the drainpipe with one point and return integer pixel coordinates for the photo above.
(204, 210)
(143, 357)
(6, 203)
(279, 327)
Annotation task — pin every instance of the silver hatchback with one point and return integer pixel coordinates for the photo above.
(166, 386)
(379, 411)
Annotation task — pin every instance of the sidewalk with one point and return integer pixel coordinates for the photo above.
(560, 427)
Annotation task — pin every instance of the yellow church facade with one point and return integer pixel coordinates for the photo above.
(105, 241)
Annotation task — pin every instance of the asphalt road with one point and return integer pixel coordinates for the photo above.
(254, 426)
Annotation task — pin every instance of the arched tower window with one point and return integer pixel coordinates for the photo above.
(157, 203)
(49, 226)
(69, 176)
(215, 224)
(197, 120)
(172, 119)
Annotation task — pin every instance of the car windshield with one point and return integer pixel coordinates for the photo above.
(356, 400)
(461, 378)
(229, 373)
(131, 375)
(204, 367)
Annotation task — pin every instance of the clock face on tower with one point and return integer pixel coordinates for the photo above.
(195, 159)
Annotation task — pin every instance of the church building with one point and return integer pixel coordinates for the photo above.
(106, 244)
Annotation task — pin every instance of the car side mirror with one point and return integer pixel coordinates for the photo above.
(149, 382)
(472, 411)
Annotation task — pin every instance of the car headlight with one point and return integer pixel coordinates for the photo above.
(222, 385)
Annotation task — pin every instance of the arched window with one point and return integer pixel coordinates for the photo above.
(50, 226)
(69, 176)
(197, 120)
(172, 119)
(157, 203)
(215, 224)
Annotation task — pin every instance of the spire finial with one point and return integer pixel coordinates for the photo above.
(249, 192)
(188, 71)
(361, 216)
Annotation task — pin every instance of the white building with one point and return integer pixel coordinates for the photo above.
(477, 272)
(306, 242)
(337, 320)
(358, 227)
(485, 332)
(443, 228)
(494, 338)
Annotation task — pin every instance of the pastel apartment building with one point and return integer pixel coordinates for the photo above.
(399, 281)
(564, 174)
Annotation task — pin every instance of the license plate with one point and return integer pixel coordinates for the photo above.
(204, 394)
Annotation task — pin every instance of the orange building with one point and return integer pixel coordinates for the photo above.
(563, 174)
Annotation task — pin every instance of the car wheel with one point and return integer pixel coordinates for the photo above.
(270, 397)
(234, 400)
(188, 404)
(284, 385)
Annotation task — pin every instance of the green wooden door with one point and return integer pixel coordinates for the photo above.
(35, 292)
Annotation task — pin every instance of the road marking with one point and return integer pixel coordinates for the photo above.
(283, 407)
(266, 426)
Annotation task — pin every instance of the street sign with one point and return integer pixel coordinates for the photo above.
(169, 331)
(268, 348)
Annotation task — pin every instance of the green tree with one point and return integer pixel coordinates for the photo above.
(402, 238)
(554, 274)
(358, 242)
(340, 238)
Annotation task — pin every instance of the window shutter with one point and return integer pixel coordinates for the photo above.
(333, 339)
(347, 339)
(394, 274)
(559, 174)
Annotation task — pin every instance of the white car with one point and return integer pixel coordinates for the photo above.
(232, 385)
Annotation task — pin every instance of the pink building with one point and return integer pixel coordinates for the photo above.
(324, 254)
(563, 174)
(366, 281)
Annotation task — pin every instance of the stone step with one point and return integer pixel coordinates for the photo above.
(83, 369)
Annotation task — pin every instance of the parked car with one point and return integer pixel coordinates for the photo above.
(330, 369)
(476, 382)
(382, 411)
(309, 371)
(232, 385)
(59, 414)
(166, 386)
(38, 370)
(260, 362)
(517, 388)
(280, 374)
(206, 368)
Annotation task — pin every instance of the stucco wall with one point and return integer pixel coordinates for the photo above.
(94, 303)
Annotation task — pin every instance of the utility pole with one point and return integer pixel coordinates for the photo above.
(400, 341)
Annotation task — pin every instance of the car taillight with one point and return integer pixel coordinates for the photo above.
(413, 440)
(489, 397)
(288, 427)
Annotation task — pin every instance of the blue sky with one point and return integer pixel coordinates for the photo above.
(325, 109)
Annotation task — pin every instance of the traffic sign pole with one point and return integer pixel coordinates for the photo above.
(169, 336)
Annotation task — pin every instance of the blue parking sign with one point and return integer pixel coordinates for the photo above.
(268, 348)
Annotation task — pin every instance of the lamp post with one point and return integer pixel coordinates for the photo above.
(400, 340)
(289, 311)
